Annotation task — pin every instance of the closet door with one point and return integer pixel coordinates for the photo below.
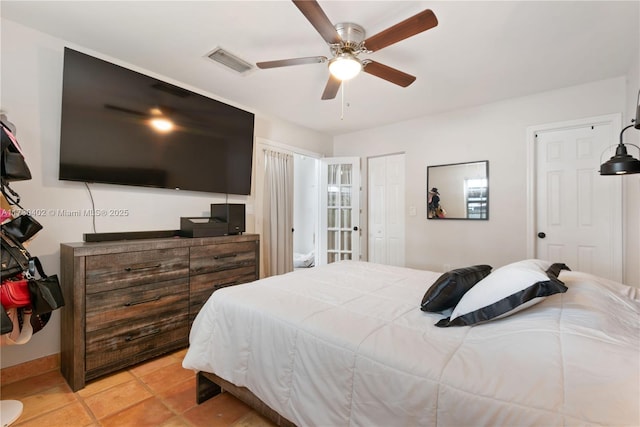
(386, 225)
(340, 208)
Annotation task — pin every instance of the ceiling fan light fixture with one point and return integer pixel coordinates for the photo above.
(345, 66)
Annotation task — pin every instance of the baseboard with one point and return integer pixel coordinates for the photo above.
(29, 369)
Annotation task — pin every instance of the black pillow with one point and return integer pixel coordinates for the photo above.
(451, 286)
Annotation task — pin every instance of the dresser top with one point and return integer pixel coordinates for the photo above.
(107, 247)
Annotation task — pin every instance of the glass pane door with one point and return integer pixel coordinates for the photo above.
(341, 188)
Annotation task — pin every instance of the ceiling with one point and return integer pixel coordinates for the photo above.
(480, 52)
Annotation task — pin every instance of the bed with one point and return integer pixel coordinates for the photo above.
(347, 344)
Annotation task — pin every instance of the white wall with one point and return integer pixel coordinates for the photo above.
(631, 183)
(494, 132)
(31, 87)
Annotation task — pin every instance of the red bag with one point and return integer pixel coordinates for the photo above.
(15, 293)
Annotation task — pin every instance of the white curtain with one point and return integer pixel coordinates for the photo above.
(277, 232)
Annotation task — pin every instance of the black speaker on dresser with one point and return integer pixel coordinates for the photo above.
(231, 213)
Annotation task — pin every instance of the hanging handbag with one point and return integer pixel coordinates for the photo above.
(12, 163)
(39, 321)
(14, 257)
(6, 325)
(14, 198)
(46, 293)
(22, 228)
(14, 293)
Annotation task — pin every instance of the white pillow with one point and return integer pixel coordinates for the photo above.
(506, 291)
(303, 260)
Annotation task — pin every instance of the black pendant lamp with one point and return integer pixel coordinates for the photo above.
(623, 163)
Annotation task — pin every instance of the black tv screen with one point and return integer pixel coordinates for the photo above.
(107, 134)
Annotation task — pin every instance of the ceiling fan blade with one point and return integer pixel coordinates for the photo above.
(316, 16)
(331, 89)
(292, 61)
(389, 74)
(402, 30)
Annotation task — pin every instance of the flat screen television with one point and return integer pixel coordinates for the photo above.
(107, 134)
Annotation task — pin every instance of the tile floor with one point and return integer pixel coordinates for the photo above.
(155, 393)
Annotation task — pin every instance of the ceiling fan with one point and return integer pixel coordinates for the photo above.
(347, 40)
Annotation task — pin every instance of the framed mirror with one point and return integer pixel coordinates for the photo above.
(458, 191)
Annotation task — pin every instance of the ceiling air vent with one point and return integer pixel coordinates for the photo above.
(229, 60)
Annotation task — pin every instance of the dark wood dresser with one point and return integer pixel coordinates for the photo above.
(128, 301)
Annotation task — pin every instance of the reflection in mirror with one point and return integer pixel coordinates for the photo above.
(458, 191)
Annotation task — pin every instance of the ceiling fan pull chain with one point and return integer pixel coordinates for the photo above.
(342, 89)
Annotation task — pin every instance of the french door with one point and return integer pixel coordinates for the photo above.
(340, 208)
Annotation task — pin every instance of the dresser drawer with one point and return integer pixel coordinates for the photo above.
(220, 257)
(130, 342)
(121, 270)
(203, 285)
(148, 302)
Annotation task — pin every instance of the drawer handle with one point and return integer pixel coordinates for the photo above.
(144, 267)
(225, 256)
(129, 304)
(132, 338)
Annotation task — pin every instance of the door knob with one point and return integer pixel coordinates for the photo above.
(355, 228)
(541, 235)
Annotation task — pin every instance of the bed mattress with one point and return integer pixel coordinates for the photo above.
(347, 344)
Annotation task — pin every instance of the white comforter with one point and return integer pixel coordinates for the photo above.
(346, 344)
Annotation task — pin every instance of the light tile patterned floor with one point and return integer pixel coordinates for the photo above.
(156, 393)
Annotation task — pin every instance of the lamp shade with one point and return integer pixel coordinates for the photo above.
(345, 66)
(620, 164)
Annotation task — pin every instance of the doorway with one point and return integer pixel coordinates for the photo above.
(575, 214)
(304, 204)
(326, 205)
(305, 210)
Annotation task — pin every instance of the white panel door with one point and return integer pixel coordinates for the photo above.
(340, 207)
(578, 217)
(386, 237)
(377, 185)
